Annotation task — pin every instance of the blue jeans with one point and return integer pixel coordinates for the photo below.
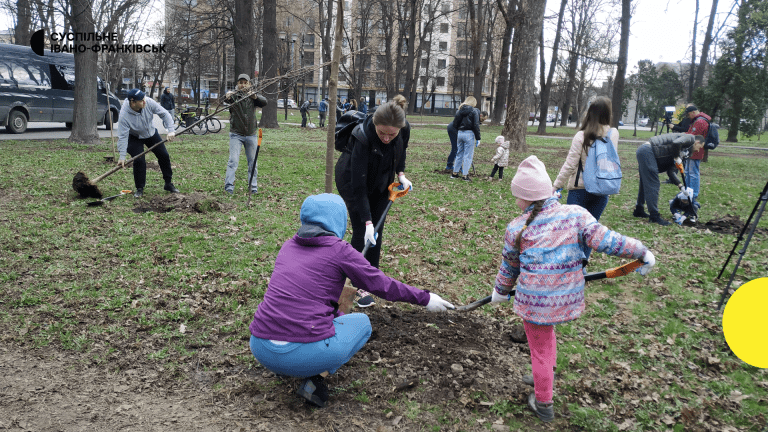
(466, 151)
(692, 176)
(454, 147)
(303, 360)
(648, 192)
(595, 204)
(250, 144)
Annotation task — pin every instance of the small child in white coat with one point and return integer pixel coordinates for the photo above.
(501, 158)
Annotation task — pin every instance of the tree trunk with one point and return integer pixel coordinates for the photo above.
(269, 50)
(23, 31)
(705, 47)
(546, 90)
(410, 80)
(333, 98)
(244, 34)
(501, 90)
(621, 67)
(84, 116)
(693, 53)
(524, 48)
(572, 64)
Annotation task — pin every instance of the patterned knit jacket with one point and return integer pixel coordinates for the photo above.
(548, 273)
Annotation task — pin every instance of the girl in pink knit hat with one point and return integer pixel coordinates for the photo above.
(542, 260)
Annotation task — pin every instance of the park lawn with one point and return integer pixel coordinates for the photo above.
(61, 259)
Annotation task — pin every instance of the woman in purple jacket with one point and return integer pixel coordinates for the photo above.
(298, 330)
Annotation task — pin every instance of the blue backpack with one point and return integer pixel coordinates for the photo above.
(712, 140)
(602, 173)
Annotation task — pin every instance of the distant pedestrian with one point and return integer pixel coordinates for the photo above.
(699, 126)
(167, 101)
(467, 122)
(322, 110)
(303, 110)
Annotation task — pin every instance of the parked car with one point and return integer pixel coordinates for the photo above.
(37, 88)
(643, 122)
(621, 123)
(532, 116)
(291, 103)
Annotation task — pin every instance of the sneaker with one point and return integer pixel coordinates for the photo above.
(640, 212)
(448, 170)
(364, 299)
(171, 188)
(314, 390)
(656, 218)
(466, 179)
(455, 175)
(545, 411)
(490, 178)
(138, 192)
(528, 380)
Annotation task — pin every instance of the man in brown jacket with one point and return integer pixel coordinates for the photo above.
(242, 130)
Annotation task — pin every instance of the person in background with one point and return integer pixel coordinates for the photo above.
(654, 157)
(541, 259)
(322, 110)
(467, 123)
(596, 124)
(243, 127)
(298, 330)
(501, 158)
(167, 101)
(364, 107)
(363, 175)
(699, 126)
(135, 130)
(303, 110)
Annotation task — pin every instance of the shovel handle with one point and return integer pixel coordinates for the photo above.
(608, 274)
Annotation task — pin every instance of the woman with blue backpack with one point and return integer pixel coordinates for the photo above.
(596, 125)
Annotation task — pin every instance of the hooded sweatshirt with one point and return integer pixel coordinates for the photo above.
(310, 270)
(501, 158)
(139, 124)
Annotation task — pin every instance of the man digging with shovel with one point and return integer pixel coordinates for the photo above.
(135, 130)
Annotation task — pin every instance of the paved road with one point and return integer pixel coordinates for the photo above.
(52, 131)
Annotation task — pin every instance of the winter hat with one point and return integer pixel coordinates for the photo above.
(135, 95)
(691, 108)
(531, 181)
(327, 211)
(500, 139)
(244, 76)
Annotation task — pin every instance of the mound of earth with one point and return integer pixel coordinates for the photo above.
(729, 224)
(185, 203)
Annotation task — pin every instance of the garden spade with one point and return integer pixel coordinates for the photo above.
(395, 191)
(103, 200)
(608, 274)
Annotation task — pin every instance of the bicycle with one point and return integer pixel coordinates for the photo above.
(212, 124)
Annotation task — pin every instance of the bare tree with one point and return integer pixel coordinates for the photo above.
(333, 99)
(705, 47)
(269, 51)
(84, 116)
(546, 87)
(621, 67)
(523, 69)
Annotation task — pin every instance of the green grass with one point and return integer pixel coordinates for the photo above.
(106, 280)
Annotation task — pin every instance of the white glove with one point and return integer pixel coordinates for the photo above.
(405, 182)
(499, 298)
(437, 304)
(649, 261)
(171, 136)
(477, 144)
(556, 193)
(678, 161)
(687, 193)
(370, 235)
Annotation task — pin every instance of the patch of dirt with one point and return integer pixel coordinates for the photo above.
(185, 203)
(729, 224)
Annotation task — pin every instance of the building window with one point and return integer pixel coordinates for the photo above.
(441, 81)
(446, 8)
(381, 62)
(461, 48)
(309, 59)
(443, 46)
(444, 28)
(309, 41)
(461, 30)
(441, 64)
(423, 80)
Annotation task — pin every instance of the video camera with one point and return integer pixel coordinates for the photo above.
(668, 111)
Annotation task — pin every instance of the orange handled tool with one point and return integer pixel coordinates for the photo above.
(253, 170)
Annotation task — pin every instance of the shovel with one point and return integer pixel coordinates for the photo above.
(255, 158)
(395, 191)
(103, 200)
(608, 274)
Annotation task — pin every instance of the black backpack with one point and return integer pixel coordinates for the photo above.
(344, 127)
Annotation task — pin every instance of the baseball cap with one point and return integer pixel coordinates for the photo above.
(135, 95)
(244, 76)
(691, 108)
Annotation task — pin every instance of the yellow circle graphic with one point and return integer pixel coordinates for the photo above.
(745, 322)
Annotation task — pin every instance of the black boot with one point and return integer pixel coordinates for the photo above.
(314, 390)
(171, 188)
(656, 218)
(138, 192)
(640, 212)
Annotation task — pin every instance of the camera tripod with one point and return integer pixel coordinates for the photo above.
(667, 122)
(759, 207)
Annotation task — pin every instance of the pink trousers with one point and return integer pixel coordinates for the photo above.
(541, 340)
